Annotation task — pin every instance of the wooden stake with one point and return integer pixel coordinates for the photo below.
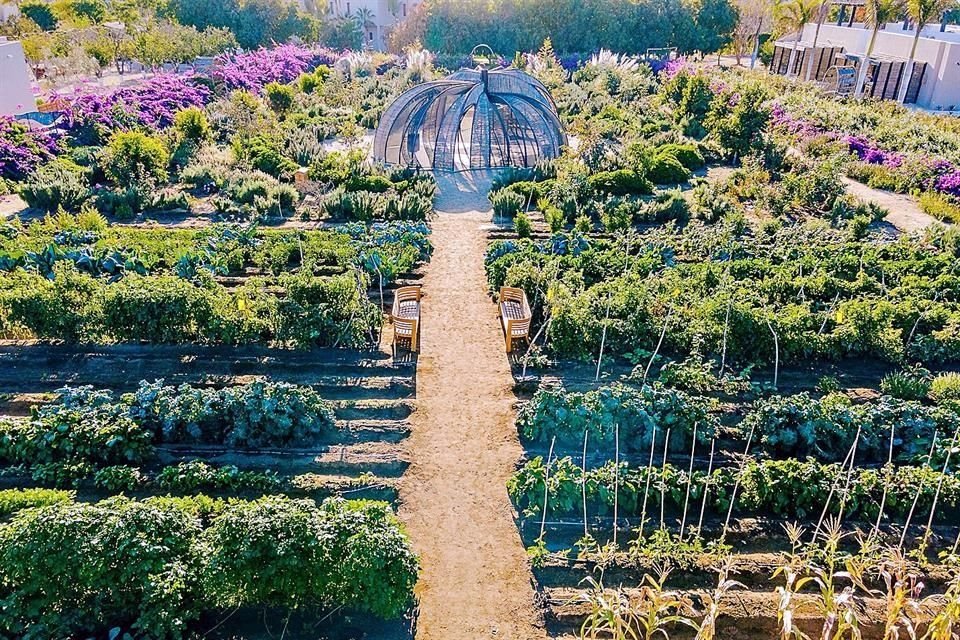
(686, 500)
(663, 333)
(706, 485)
(736, 486)
(663, 475)
(616, 480)
(546, 490)
(646, 491)
(583, 484)
(916, 497)
(886, 486)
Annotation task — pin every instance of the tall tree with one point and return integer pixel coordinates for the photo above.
(793, 15)
(878, 14)
(921, 13)
(823, 9)
(755, 17)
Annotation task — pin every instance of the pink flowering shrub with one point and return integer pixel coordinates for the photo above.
(152, 104)
(253, 70)
(22, 150)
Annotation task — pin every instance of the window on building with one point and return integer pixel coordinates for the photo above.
(404, 9)
(370, 36)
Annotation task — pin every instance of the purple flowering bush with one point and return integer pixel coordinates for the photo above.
(253, 70)
(22, 150)
(152, 104)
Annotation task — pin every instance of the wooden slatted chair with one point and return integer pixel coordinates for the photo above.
(406, 316)
(515, 315)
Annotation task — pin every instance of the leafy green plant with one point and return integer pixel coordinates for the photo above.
(945, 387)
(13, 500)
(522, 225)
(196, 475)
(908, 384)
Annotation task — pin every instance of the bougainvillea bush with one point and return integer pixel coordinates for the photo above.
(254, 70)
(22, 150)
(151, 104)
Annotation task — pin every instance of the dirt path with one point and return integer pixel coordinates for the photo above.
(475, 582)
(905, 213)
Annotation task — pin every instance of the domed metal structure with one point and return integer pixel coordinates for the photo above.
(474, 119)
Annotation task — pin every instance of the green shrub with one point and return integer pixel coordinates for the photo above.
(710, 203)
(57, 433)
(279, 96)
(13, 500)
(522, 225)
(619, 183)
(506, 204)
(72, 568)
(667, 205)
(264, 155)
(156, 309)
(281, 552)
(554, 218)
(189, 477)
(908, 384)
(54, 185)
(665, 168)
(135, 159)
(192, 124)
(945, 387)
(940, 207)
(688, 154)
(374, 183)
(119, 478)
(41, 13)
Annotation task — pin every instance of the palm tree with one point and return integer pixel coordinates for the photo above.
(823, 8)
(878, 13)
(365, 20)
(794, 14)
(921, 13)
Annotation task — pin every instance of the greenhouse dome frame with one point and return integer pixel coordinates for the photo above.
(473, 119)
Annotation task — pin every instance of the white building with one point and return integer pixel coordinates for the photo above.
(378, 17)
(16, 96)
(934, 84)
(8, 10)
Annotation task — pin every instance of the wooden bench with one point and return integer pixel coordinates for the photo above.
(406, 316)
(515, 315)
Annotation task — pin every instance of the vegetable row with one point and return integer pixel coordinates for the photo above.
(154, 566)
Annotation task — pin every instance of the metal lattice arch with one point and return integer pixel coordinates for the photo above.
(474, 119)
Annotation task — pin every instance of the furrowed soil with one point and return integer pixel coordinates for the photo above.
(475, 581)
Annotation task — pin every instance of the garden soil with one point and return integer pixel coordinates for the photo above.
(475, 581)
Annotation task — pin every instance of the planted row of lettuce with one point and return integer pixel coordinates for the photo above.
(794, 426)
(796, 489)
(797, 293)
(154, 566)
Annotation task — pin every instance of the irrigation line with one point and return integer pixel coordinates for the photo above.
(886, 487)
(663, 475)
(646, 491)
(706, 485)
(546, 489)
(736, 485)
(916, 496)
(686, 500)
